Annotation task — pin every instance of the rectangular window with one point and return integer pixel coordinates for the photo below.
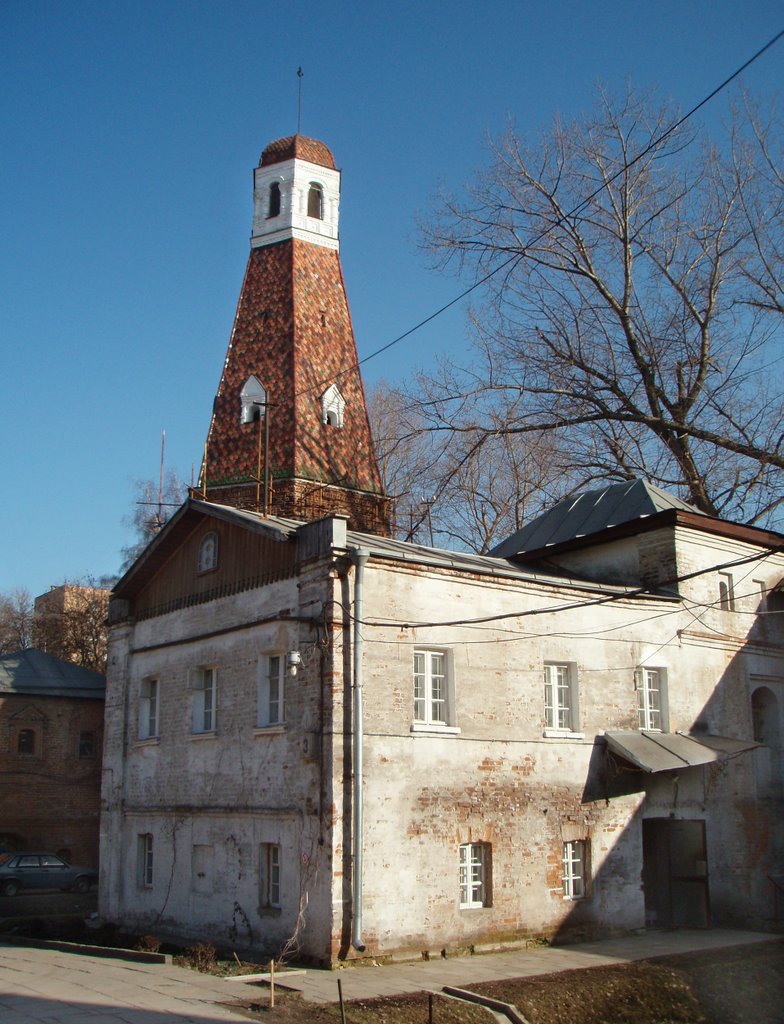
(269, 875)
(726, 592)
(432, 698)
(148, 709)
(760, 595)
(271, 705)
(651, 686)
(87, 745)
(144, 860)
(574, 869)
(204, 700)
(560, 697)
(474, 875)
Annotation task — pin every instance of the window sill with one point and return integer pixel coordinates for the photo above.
(211, 735)
(474, 906)
(147, 741)
(269, 911)
(563, 734)
(270, 730)
(434, 727)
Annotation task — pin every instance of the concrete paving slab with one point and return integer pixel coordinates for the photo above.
(51, 987)
(365, 982)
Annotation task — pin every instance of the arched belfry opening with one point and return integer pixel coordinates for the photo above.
(333, 405)
(253, 400)
(273, 208)
(316, 201)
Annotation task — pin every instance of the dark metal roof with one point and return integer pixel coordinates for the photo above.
(590, 513)
(35, 674)
(668, 751)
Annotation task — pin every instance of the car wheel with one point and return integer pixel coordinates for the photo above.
(80, 885)
(10, 888)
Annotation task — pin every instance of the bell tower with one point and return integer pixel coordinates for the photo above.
(290, 433)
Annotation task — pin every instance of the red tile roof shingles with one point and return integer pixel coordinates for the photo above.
(299, 146)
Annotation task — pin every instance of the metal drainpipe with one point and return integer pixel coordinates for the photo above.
(359, 557)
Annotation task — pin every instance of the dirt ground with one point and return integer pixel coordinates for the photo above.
(738, 985)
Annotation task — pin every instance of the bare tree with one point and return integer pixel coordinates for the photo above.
(16, 620)
(467, 490)
(154, 505)
(621, 314)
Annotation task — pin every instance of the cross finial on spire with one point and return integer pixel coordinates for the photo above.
(300, 74)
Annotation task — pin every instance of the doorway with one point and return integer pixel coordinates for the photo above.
(675, 873)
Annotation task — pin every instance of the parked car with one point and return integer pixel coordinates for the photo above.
(22, 870)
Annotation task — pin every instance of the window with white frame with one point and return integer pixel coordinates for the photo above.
(432, 689)
(253, 400)
(205, 692)
(271, 691)
(208, 552)
(144, 860)
(269, 875)
(148, 709)
(574, 869)
(333, 405)
(474, 875)
(726, 592)
(560, 697)
(651, 686)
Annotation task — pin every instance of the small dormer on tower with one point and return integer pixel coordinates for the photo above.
(296, 194)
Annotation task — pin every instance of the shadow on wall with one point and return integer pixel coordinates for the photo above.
(708, 840)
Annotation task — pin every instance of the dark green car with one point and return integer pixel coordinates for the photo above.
(23, 870)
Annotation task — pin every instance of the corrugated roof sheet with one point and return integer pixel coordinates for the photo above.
(590, 513)
(35, 673)
(669, 751)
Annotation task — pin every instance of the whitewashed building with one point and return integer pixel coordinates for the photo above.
(327, 742)
(353, 745)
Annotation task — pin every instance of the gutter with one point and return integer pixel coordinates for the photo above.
(359, 557)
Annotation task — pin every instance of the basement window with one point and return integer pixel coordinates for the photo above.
(144, 860)
(269, 875)
(475, 862)
(574, 860)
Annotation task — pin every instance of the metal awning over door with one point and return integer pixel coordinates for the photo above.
(668, 751)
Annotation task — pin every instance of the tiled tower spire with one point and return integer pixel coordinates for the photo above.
(290, 387)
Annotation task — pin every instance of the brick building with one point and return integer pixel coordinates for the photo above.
(325, 741)
(51, 732)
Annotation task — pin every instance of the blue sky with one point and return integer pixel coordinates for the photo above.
(129, 133)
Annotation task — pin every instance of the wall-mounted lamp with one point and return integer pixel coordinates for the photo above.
(293, 661)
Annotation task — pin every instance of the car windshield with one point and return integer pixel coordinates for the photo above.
(4, 858)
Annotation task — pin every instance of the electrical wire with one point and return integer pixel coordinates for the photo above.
(570, 606)
(516, 257)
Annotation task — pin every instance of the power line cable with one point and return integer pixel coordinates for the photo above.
(558, 221)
